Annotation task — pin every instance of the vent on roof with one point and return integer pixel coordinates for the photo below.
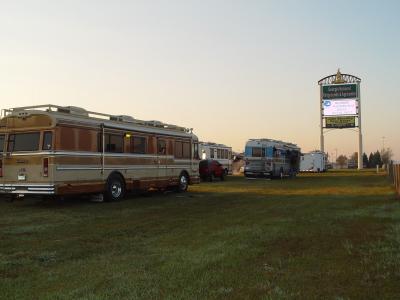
(155, 123)
(74, 110)
(123, 118)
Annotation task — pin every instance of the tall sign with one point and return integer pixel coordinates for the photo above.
(340, 106)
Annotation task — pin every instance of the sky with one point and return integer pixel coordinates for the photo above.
(231, 70)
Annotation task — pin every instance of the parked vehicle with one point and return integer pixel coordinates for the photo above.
(314, 161)
(210, 169)
(271, 158)
(55, 150)
(218, 152)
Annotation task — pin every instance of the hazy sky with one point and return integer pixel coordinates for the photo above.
(232, 70)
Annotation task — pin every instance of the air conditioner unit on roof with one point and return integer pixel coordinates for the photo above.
(74, 110)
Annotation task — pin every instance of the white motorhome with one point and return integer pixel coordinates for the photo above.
(219, 152)
(271, 158)
(314, 161)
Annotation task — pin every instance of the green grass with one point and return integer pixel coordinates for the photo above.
(331, 236)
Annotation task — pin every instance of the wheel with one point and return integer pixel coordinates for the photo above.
(115, 188)
(183, 183)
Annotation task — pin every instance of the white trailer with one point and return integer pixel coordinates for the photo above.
(314, 161)
(219, 152)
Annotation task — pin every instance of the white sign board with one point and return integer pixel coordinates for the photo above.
(340, 107)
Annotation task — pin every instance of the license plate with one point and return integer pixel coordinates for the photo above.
(21, 177)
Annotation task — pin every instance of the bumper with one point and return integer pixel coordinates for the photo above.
(37, 189)
(194, 179)
(257, 174)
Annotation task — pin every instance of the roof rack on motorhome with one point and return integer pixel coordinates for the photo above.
(214, 144)
(78, 111)
(274, 141)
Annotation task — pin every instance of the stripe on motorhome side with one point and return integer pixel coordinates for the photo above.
(95, 154)
(140, 167)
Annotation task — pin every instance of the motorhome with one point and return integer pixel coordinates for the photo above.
(271, 158)
(314, 161)
(55, 150)
(219, 152)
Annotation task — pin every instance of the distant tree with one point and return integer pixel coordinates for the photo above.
(377, 159)
(386, 156)
(365, 160)
(341, 160)
(371, 160)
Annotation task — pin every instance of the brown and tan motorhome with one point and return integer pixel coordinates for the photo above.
(55, 150)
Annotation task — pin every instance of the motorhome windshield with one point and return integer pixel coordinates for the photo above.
(258, 152)
(23, 142)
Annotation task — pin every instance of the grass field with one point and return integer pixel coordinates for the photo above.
(330, 236)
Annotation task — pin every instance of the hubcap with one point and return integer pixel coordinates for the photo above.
(183, 182)
(116, 189)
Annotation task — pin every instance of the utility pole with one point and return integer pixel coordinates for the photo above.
(383, 143)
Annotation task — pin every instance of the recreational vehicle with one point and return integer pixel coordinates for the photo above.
(219, 152)
(55, 150)
(271, 158)
(314, 161)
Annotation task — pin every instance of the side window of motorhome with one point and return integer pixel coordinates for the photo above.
(23, 141)
(2, 143)
(178, 149)
(161, 147)
(182, 149)
(278, 153)
(114, 143)
(47, 140)
(77, 139)
(186, 150)
(138, 145)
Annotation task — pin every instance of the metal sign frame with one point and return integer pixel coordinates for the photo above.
(341, 79)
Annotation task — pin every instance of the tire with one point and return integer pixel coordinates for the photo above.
(183, 183)
(115, 188)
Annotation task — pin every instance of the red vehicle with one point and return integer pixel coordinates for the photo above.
(210, 169)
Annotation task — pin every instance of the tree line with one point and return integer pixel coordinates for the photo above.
(379, 158)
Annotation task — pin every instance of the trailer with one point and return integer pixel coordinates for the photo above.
(314, 161)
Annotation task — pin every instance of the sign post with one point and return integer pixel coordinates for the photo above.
(340, 106)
